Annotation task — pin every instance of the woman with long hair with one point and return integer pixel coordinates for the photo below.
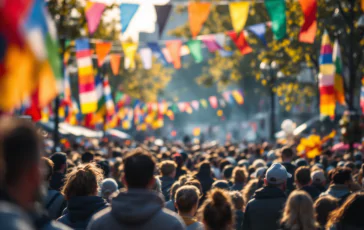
(204, 175)
(350, 215)
(323, 207)
(298, 212)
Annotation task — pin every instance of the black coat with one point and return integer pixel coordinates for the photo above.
(290, 169)
(167, 183)
(312, 191)
(57, 181)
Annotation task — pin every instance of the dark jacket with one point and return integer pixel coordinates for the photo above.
(206, 182)
(237, 187)
(137, 209)
(167, 183)
(13, 218)
(312, 191)
(338, 191)
(57, 181)
(320, 187)
(80, 210)
(239, 218)
(264, 211)
(180, 172)
(55, 204)
(290, 169)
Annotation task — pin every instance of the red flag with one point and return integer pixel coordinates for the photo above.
(174, 48)
(213, 102)
(309, 27)
(240, 42)
(197, 15)
(34, 111)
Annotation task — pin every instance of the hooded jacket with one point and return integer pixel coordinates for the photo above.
(137, 209)
(167, 183)
(80, 210)
(312, 191)
(264, 211)
(338, 191)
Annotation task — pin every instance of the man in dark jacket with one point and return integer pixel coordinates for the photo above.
(287, 156)
(59, 170)
(339, 188)
(168, 170)
(137, 207)
(264, 211)
(303, 182)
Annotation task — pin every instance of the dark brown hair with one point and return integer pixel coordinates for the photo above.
(303, 175)
(82, 181)
(287, 152)
(240, 175)
(237, 199)
(323, 207)
(49, 167)
(186, 198)
(167, 167)
(341, 175)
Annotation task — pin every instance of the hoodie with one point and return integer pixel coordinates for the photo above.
(137, 209)
(167, 183)
(80, 210)
(264, 211)
(339, 191)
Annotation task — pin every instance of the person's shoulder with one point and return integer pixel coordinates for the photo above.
(170, 216)
(12, 217)
(100, 218)
(56, 225)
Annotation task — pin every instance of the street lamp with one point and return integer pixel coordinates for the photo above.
(271, 70)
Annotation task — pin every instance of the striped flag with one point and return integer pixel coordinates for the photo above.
(99, 92)
(362, 95)
(110, 107)
(339, 80)
(67, 88)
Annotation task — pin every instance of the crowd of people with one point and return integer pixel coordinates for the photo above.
(174, 186)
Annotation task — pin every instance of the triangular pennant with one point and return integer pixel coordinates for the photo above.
(227, 96)
(167, 55)
(195, 49)
(93, 12)
(222, 103)
(309, 27)
(240, 42)
(163, 12)
(197, 15)
(129, 49)
(127, 12)
(213, 102)
(239, 12)
(195, 104)
(238, 96)
(277, 13)
(204, 103)
(259, 31)
(102, 50)
(156, 50)
(174, 48)
(115, 63)
(181, 106)
(146, 56)
(220, 39)
(210, 43)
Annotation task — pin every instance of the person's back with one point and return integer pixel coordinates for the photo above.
(137, 207)
(303, 182)
(339, 188)
(12, 218)
(60, 166)
(287, 155)
(168, 171)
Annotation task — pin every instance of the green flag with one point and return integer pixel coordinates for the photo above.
(195, 49)
(277, 13)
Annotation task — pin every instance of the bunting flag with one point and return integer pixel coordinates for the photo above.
(93, 12)
(309, 27)
(238, 96)
(222, 103)
(259, 31)
(127, 12)
(227, 96)
(204, 103)
(115, 63)
(240, 42)
(362, 95)
(86, 82)
(326, 78)
(163, 12)
(197, 15)
(174, 48)
(210, 43)
(156, 50)
(239, 12)
(109, 103)
(181, 107)
(167, 55)
(146, 56)
(99, 88)
(220, 39)
(339, 80)
(129, 49)
(213, 102)
(195, 49)
(67, 100)
(102, 49)
(277, 13)
(195, 105)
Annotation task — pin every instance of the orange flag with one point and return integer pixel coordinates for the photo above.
(102, 49)
(197, 15)
(309, 27)
(174, 48)
(115, 63)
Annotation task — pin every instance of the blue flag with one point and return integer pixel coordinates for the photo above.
(259, 31)
(157, 52)
(127, 12)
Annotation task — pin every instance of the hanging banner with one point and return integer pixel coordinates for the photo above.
(239, 12)
(204, 103)
(109, 102)
(240, 42)
(238, 96)
(213, 102)
(220, 39)
(309, 27)
(102, 50)
(93, 12)
(115, 63)
(174, 48)
(277, 13)
(129, 49)
(167, 55)
(156, 50)
(339, 78)
(127, 12)
(195, 49)
(327, 66)
(99, 94)
(163, 12)
(195, 105)
(259, 31)
(210, 43)
(146, 56)
(198, 13)
(227, 96)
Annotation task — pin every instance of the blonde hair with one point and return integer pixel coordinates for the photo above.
(250, 189)
(299, 213)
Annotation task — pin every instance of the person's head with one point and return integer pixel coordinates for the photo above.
(228, 171)
(60, 162)
(177, 157)
(217, 211)
(302, 176)
(350, 212)
(195, 183)
(186, 200)
(276, 176)
(301, 162)
(341, 175)
(223, 164)
(298, 212)
(287, 154)
(87, 157)
(108, 187)
(318, 177)
(221, 184)
(168, 168)
(323, 207)
(175, 186)
(105, 166)
(237, 199)
(204, 169)
(258, 163)
(240, 175)
(21, 148)
(48, 168)
(83, 180)
(139, 169)
(259, 173)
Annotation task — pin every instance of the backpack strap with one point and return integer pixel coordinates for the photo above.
(51, 201)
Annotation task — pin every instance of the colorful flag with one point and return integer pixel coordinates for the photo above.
(210, 43)
(195, 104)
(174, 48)
(227, 96)
(129, 49)
(309, 27)
(163, 12)
(115, 63)
(204, 103)
(362, 95)
(86, 81)
(67, 100)
(259, 31)
(240, 42)
(127, 12)
(238, 96)
(99, 92)
(102, 50)
(198, 13)
(195, 49)
(277, 13)
(109, 103)
(213, 102)
(167, 55)
(146, 56)
(327, 66)
(156, 50)
(339, 80)
(93, 12)
(239, 12)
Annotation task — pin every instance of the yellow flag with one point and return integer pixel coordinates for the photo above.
(239, 12)
(203, 103)
(129, 49)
